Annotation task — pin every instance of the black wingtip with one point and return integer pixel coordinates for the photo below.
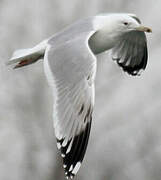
(72, 159)
(137, 68)
(134, 71)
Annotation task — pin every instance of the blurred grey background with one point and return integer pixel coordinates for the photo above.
(125, 141)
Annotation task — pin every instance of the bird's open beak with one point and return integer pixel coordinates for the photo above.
(144, 29)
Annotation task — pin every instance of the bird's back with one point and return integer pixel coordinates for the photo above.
(72, 31)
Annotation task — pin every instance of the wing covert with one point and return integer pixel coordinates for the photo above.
(70, 69)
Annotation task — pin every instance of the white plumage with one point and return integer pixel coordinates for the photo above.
(70, 66)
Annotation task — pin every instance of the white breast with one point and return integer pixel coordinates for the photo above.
(102, 41)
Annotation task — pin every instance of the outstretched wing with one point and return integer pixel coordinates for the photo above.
(70, 69)
(131, 52)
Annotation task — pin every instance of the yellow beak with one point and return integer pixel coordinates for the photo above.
(144, 29)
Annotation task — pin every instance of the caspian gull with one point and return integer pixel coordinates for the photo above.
(70, 66)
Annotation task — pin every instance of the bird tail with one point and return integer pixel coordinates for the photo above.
(28, 56)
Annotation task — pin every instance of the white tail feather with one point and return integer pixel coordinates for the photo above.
(31, 53)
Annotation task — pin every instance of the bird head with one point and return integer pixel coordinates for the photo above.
(129, 22)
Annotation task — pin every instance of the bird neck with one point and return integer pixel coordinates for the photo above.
(102, 40)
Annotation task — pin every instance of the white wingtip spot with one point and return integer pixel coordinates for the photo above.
(64, 143)
(71, 168)
(69, 147)
(76, 168)
(58, 145)
(64, 165)
(63, 155)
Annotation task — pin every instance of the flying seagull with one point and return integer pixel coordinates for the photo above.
(70, 66)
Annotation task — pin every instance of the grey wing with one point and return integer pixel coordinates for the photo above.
(71, 69)
(131, 52)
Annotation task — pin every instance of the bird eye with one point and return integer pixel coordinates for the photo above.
(125, 23)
